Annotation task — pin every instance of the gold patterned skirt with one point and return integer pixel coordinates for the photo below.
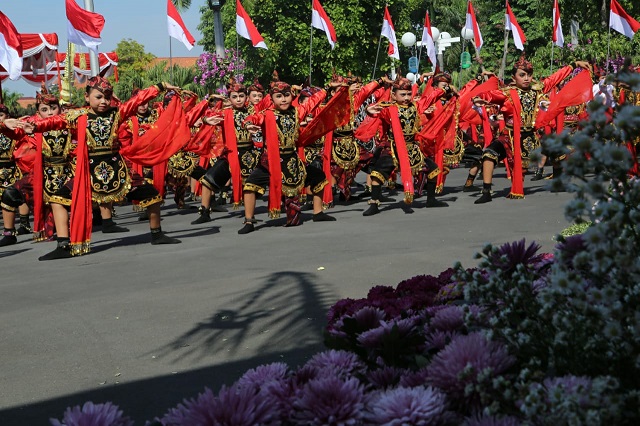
(416, 158)
(294, 174)
(10, 173)
(56, 173)
(110, 179)
(249, 159)
(182, 164)
(452, 157)
(345, 152)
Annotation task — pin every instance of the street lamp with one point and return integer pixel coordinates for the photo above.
(215, 6)
(409, 40)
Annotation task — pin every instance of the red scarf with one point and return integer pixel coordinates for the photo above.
(402, 154)
(38, 203)
(231, 143)
(273, 156)
(81, 214)
(517, 185)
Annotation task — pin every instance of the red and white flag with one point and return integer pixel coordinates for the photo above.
(558, 37)
(320, 20)
(389, 32)
(620, 20)
(10, 48)
(428, 41)
(83, 27)
(246, 29)
(471, 24)
(511, 24)
(176, 27)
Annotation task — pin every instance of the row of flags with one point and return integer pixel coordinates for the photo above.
(84, 29)
(619, 20)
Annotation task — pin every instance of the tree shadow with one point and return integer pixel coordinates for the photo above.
(13, 252)
(145, 238)
(286, 311)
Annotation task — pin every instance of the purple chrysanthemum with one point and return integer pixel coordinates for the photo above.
(450, 318)
(91, 414)
(385, 377)
(418, 406)
(342, 362)
(369, 317)
(381, 291)
(233, 406)
(486, 420)
(510, 255)
(414, 378)
(374, 338)
(330, 401)
(558, 388)
(261, 375)
(438, 340)
(464, 359)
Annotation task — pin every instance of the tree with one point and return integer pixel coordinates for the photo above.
(182, 4)
(132, 58)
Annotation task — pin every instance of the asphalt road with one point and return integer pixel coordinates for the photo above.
(145, 326)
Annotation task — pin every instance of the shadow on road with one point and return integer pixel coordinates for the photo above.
(282, 321)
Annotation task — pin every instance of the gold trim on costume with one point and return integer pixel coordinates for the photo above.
(8, 207)
(56, 199)
(149, 201)
(253, 188)
(79, 249)
(378, 175)
(319, 187)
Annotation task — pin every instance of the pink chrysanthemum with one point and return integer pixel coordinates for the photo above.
(418, 406)
(464, 359)
(330, 401)
(92, 414)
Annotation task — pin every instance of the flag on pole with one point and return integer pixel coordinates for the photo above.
(620, 20)
(320, 20)
(10, 48)
(246, 29)
(558, 38)
(472, 25)
(511, 24)
(428, 41)
(390, 33)
(176, 27)
(83, 27)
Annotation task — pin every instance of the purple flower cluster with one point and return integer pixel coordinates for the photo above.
(92, 414)
(215, 70)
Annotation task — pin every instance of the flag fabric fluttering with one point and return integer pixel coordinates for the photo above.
(621, 21)
(428, 41)
(471, 24)
(246, 29)
(558, 37)
(176, 27)
(389, 32)
(10, 48)
(83, 27)
(321, 21)
(511, 24)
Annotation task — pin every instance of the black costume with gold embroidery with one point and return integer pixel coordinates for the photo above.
(57, 170)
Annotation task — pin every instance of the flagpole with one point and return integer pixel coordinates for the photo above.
(311, 45)
(608, 44)
(93, 56)
(375, 65)
(503, 65)
(551, 65)
(171, 59)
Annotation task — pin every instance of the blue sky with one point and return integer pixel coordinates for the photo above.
(142, 20)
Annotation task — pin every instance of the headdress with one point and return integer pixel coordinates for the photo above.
(443, 77)
(523, 64)
(3, 108)
(256, 87)
(135, 91)
(234, 86)
(46, 98)
(307, 92)
(402, 83)
(101, 84)
(168, 96)
(278, 86)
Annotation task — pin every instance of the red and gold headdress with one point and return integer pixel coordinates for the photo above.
(135, 91)
(101, 84)
(402, 83)
(523, 64)
(234, 86)
(443, 77)
(278, 86)
(46, 98)
(256, 87)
